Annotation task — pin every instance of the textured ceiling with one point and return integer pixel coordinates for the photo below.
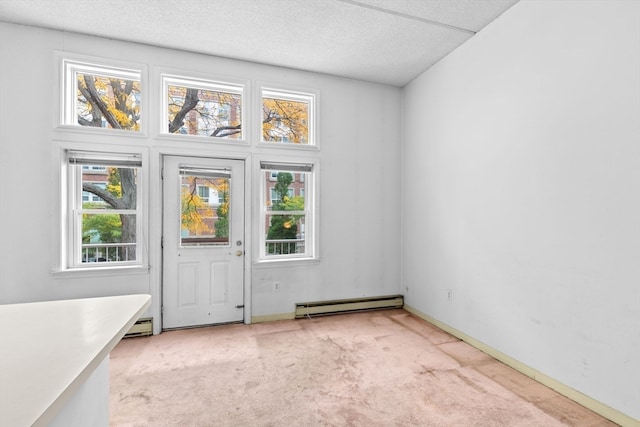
(383, 41)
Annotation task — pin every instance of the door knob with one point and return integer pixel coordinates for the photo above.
(239, 253)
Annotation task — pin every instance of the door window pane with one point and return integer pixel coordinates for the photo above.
(204, 218)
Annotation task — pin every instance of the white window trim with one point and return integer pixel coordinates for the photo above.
(64, 265)
(294, 94)
(205, 82)
(67, 64)
(310, 211)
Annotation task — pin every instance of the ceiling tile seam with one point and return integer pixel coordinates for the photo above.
(407, 16)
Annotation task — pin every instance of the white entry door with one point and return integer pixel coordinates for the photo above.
(203, 241)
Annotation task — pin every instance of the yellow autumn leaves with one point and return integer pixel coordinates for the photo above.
(105, 101)
(197, 214)
(285, 121)
(108, 102)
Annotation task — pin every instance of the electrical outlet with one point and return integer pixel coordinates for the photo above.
(449, 295)
(276, 286)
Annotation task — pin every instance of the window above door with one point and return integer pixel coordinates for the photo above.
(202, 108)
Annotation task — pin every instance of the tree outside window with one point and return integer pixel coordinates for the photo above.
(204, 220)
(108, 102)
(286, 117)
(282, 226)
(286, 213)
(198, 111)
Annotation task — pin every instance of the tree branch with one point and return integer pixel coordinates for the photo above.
(109, 198)
(96, 115)
(233, 130)
(96, 101)
(190, 102)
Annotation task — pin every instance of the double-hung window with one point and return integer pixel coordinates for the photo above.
(287, 220)
(103, 215)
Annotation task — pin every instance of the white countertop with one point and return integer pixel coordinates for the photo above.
(48, 349)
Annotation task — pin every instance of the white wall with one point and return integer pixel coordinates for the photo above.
(521, 193)
(359, 177)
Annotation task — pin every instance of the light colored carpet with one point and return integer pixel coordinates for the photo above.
(381, 368)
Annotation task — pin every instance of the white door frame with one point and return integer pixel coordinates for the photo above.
(157, 194)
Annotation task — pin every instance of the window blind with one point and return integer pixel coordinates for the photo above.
(103, 159)
(287, 167)
(205, 173)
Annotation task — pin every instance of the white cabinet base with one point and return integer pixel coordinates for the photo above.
(89, 405)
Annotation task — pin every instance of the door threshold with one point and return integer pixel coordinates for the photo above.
(177, 328)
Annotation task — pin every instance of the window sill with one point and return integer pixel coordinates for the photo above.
(285, 263)
(126, 270)
(106, 132)
(203, 139)
(288, 146)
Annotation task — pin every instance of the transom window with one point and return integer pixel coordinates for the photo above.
(202, 108)
(102, 96)
(287, 117)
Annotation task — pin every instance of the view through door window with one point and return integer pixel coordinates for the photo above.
(205, 203)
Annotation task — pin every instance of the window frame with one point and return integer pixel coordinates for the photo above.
(71, 64)
(289, 94)
(71, 205)
(211, 83)
(264, 186)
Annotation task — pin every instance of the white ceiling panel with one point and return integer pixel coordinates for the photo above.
(382, 41)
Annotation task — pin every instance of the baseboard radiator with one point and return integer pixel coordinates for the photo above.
(142, 328)
(323, 308)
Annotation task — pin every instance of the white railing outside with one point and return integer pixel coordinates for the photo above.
(113, 252)
(284, 246)
(108, 252)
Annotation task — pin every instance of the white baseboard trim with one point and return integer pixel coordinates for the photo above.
(578, 397)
